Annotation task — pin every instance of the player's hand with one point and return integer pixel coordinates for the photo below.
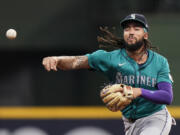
(136, 92)
(50, 63)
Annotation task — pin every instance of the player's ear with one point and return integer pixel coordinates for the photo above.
(146, 35)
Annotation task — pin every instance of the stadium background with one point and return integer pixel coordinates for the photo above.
(33, 100)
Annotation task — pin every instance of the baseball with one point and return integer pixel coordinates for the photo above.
(11, 34)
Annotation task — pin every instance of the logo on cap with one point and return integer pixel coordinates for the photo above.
(133, 16)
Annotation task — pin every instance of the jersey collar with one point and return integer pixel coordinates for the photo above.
(149, 59)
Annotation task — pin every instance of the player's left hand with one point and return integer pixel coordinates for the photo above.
(136, 92)
(117, 96)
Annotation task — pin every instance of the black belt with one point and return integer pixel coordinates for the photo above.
(132, 120)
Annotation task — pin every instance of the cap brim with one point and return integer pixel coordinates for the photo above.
(123, 22)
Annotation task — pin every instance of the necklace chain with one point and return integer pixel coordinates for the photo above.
(141, 57)
(144, 53)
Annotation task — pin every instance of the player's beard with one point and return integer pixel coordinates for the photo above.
(134, 47)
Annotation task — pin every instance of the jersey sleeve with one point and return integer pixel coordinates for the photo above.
(99, 60)
(164, 73)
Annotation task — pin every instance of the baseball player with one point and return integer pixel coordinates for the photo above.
(134, 64)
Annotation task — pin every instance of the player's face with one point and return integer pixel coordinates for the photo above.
(134, 36)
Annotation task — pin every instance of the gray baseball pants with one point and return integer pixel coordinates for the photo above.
(158, 123)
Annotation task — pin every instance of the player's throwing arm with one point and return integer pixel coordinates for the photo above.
(65, 63)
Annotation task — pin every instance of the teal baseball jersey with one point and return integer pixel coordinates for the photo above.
(120, 68)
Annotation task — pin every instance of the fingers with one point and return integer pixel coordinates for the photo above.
(106, 91)
(109, 97)
(46, 63)
(50, 63)
(53, 64)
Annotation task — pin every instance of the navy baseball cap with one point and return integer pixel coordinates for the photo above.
(137, 18)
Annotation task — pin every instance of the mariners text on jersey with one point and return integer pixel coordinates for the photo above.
(131, 80)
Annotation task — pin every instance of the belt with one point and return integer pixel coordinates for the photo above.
(131, 120)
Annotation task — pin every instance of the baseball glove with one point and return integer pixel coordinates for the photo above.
(116, 96)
